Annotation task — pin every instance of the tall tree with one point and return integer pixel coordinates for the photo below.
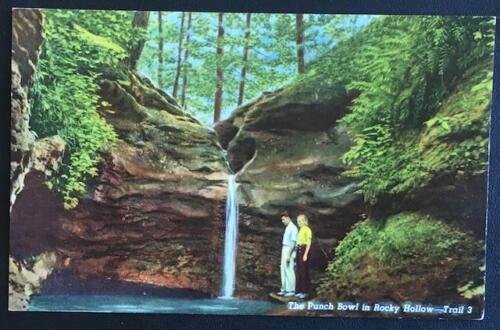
(220, 72)
(271, 62)
(245, 59)
(160, 51)
(141, 20)
(185, 62)
(300, 43)
(179, 57)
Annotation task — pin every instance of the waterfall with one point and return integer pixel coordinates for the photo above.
(230, 240)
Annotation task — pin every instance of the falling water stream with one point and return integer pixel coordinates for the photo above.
(230, 240)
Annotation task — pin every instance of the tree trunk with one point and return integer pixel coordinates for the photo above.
(300, 43)
(245, 60)
(141, 20)
(160, 51)
(179, 56)
(185, 62)
(220, 73)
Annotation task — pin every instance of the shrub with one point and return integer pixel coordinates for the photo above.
(409, 255)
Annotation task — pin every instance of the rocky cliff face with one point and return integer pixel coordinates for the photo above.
(155, 213)
(287, 151)
(26, 41)
(27, 152)
(286, 148)
(29, 156)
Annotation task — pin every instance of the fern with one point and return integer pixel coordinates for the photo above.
(403, 71)
(78, 45)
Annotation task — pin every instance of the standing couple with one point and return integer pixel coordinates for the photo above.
(296, 245)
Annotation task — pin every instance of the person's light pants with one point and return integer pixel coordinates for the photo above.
(287, 270)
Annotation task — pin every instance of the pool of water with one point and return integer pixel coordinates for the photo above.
(147, 304)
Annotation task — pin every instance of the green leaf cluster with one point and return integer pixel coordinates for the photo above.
(78, 46)
(424, 86)
(397, 253)
(404, 75)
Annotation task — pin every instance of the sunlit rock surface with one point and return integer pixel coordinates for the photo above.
(155, 213)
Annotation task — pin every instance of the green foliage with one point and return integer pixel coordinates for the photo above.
(78, 46)
(404, 249)
(406, 70)
(381, 164)
(473, 289)
(271, 61)
(454, 140)
(99, 41)
(404, 75)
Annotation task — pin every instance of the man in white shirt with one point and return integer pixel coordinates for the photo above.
(288, 257)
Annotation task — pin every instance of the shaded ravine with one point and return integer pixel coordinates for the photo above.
(154, 214)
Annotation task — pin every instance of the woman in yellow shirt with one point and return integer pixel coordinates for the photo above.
(304, 238)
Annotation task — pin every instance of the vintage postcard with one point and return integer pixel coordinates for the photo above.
(249, 163)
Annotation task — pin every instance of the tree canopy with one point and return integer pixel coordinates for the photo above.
(271, 59)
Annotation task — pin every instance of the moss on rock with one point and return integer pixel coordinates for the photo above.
(409, 256)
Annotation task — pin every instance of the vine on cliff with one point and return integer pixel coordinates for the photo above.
(79, 45)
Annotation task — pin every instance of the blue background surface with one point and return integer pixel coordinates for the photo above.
(154, 321)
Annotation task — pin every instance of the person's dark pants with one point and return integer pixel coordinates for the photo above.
(303, 283)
